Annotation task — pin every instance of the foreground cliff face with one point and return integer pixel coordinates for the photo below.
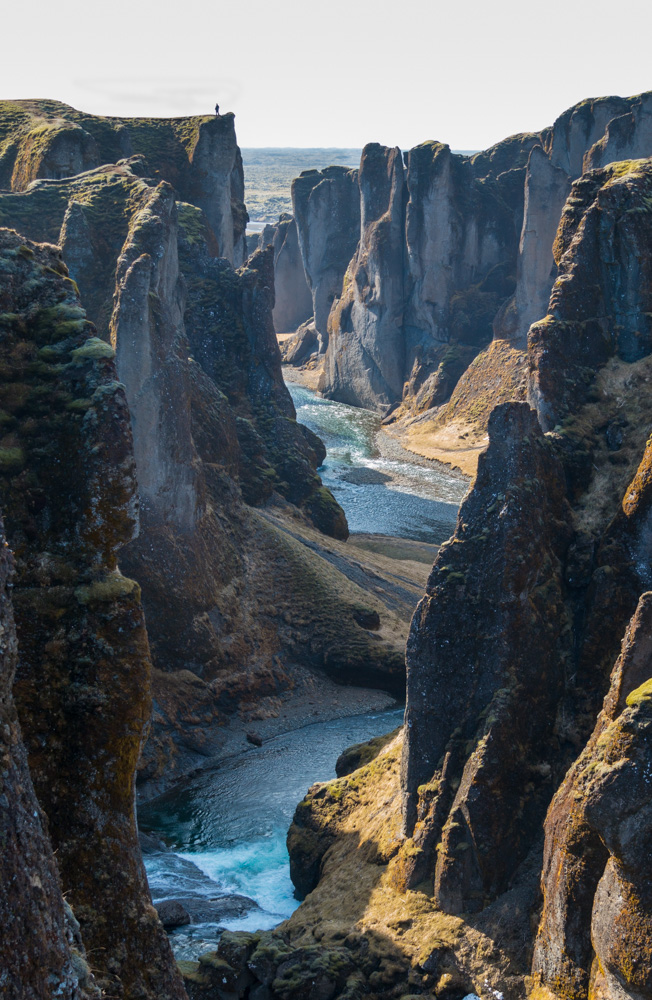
(596, 926)
(507, 781)
(198, 156)
(67, 490)
(36, 954)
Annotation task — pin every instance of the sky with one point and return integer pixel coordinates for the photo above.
(333, 73)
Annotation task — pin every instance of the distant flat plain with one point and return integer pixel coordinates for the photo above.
(269, 173)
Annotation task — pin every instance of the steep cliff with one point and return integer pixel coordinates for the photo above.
(38, 954)
(292, 296)
(215, 435)
(198, 156)
(326, 207)
(579, 566)
(364, 363)
(595, 932)
(429, 320)
(509, 658)
(585, 136)
(82, 686)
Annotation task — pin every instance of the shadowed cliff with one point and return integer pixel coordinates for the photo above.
(510, 856)
(82, 684)
(215, 437)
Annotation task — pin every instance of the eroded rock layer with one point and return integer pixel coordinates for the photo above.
(507, 782)
(82, 686)
(198, 156)
(215, 437)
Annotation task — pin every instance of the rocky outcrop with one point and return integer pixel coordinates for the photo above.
(596, 926)
(326, 207)
(292, 297)
(625, 136)
(490, 687)
(38, 954)
(215, 438)
(600, 300)
(364, 364)
(509, 658)
(67, 490)
(198, 156)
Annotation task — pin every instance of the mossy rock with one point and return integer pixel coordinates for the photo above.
(362, 753)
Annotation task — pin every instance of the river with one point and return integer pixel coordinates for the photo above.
(225, 828)
(380, 488)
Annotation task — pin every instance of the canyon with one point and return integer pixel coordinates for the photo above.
(422, 308)
(174, 567)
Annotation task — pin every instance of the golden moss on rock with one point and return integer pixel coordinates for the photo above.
(199, 156)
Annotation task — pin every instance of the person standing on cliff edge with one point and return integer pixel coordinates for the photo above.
(217, 110)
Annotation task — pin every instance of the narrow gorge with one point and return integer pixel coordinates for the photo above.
(214, 582)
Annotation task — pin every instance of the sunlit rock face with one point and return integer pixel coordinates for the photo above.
(199, 156)
(82, 685)
(596, 926)
(454, 255)
(513, 643)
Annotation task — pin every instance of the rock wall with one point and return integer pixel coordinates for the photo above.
(510, 780)
(463, 259)
(596, 926)
(292, 297)
(215, 438)
(198, 156)
(326, 207)
(36, 956)
(364, 362)
(530, 672)
(82, 686)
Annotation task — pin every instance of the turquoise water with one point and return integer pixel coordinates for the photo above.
(227, 826)
(379, 495)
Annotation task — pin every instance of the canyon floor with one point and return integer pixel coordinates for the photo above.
(456, 445)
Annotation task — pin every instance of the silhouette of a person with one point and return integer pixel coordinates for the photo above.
(217, 110)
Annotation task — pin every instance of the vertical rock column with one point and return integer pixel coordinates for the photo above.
(485, 660)
(365, 359)
(67, 487)
(36, 961)
(596, 926)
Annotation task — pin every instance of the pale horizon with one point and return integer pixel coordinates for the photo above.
(341, 77)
